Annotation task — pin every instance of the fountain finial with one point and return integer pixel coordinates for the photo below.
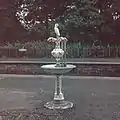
(57, 52)
(56, 29)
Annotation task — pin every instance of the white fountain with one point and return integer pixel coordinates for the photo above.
(58, 69)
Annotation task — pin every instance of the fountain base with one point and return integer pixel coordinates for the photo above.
(59, 104)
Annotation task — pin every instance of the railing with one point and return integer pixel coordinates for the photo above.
(30, 53)
(94, 52)
(71, 53)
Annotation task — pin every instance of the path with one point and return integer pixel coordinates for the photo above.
(75, 60)
(95, 99)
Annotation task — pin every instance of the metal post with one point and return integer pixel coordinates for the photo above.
(65, 48)
(116, 52)
(62, 47)
(63, 59)
(108, 46)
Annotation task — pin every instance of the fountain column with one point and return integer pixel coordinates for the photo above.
(58, 95)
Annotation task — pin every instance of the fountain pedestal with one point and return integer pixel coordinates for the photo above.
(58, 100)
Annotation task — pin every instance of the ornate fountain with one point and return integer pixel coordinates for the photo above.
(58, 69)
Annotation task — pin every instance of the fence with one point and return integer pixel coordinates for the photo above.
(94, 52)
(71, 53)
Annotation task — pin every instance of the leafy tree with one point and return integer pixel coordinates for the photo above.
(35, 14)
(111, 11)
(10, 29)
(81, 20)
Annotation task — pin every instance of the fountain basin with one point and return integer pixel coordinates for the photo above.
(51, 68)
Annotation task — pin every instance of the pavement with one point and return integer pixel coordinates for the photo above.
(94, 98)
(51, 60)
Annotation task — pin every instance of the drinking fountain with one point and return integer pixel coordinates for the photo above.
(58, 69)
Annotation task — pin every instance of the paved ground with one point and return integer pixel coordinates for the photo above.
(75, 60)
(95, 99)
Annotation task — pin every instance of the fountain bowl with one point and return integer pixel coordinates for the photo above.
(51, 68)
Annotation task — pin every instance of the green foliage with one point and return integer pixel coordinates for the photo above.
(110, 30)
(80, 21)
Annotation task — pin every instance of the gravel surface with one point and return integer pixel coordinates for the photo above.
(40, 113)
(96, 109)
(93, 99)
